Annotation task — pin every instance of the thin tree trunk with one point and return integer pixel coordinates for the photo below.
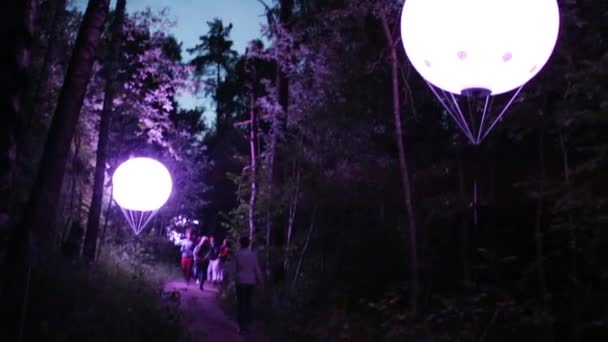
(293, 207)
(218, 119)
(42, 204)
(575, 319)
(278, 120)
(50, 56)
(304, 248)
(466, 262)
(67, 207)
(253, 140)
(105, 224)
(74, 181)
(407, 194)
(90, 240)
(562, 145)
(32, 109)
(542, 280)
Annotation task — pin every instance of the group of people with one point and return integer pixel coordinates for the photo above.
(202, 259)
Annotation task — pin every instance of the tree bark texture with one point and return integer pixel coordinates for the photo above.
(105, 224)
(42, 205)
(293, 208)
(17, 33)
(273, 238)
(50, 56)
(540, 254)
(90, 239)
(405, 178)
(304, 249)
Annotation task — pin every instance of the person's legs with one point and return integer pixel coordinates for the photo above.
(202, 274)
(183, 264)
(210, 271)
(187, 268)
(220, 271)
(240, 311)
(247, 294)
(216, 271)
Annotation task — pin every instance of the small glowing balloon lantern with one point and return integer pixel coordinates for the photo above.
(141, 187)
(477, 49)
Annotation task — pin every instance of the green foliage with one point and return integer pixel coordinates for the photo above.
(483, 251)
(108, 301)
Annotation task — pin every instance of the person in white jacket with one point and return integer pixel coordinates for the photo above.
(246, 275)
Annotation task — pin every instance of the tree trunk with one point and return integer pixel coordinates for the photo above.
(574, 318)
(466, 262)
(304, 248)
(218, 119)
(17, 33)
(42, 205)
(17, 29)
(105, 223)
(253, 145)
(540, 269)
(52, 51)
(407, 193)
(273, 239)
(90, 240)
(293, 207)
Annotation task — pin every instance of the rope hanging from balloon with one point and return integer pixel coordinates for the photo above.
(141, 187)
(474, 50)
(475, 202)
(478, 119)
(138, 220)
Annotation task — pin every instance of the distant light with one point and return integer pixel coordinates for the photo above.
(195, 221)
(497, 45)
(141, 184)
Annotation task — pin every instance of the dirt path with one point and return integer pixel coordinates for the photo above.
(204, 318)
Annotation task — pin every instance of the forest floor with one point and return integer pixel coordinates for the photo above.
(204, 317)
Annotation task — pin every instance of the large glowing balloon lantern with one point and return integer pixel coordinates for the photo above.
(478, 48)
(141, 187)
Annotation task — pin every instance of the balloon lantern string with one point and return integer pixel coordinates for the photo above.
(475, 202)
(138, 220)
(477, 119)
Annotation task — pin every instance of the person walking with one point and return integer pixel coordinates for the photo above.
(187, 250)
(201, 257)
(212, 269)
(225, 253)
(247, 275)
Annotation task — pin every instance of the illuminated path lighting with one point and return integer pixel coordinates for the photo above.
(141, 187)
(477, 49)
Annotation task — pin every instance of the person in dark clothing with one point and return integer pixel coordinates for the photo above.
(225, 254)
(247, 275)
(212, 270)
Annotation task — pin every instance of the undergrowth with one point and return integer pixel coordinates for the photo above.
(119, 298)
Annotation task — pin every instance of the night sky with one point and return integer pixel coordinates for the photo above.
(191, 16)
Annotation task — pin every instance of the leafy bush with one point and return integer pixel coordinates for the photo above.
(108, 301)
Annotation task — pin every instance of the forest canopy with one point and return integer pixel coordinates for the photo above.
(372, 215)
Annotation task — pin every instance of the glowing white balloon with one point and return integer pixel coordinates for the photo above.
(141, 184)
(497, 45)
